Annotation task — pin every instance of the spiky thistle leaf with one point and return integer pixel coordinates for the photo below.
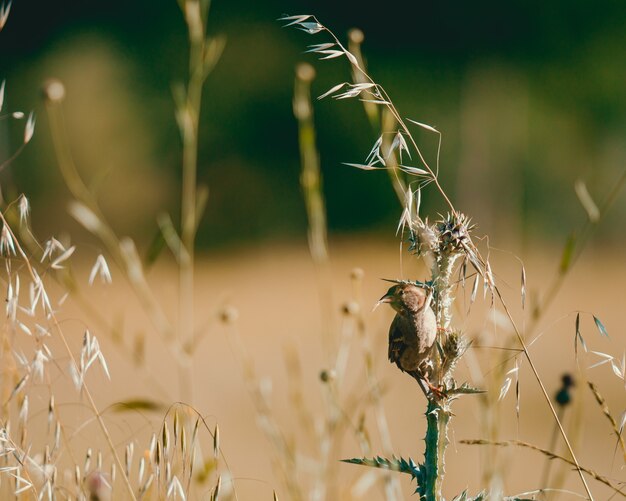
(464, 389)
(395, 464)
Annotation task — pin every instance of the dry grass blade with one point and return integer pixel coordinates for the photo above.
(600, 326)
(551, 455)
(617, 429)
(578, 337)
(533, 368)
(523, 286)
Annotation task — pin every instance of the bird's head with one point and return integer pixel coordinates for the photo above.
(405, 297)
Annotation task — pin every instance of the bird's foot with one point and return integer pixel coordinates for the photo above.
(438, 392)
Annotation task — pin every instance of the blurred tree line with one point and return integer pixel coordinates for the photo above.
(529, 96)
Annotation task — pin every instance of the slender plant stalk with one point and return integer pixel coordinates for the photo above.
(550, 455)
(191, 117)
(311, 183)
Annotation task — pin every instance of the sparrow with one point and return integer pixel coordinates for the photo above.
(413, 331)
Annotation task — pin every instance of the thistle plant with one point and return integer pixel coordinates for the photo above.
(446, 246)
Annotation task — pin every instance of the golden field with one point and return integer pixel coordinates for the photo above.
(274, 289)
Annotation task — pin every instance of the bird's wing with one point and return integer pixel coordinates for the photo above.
(397, 342)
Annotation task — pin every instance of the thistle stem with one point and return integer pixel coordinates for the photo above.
(437, 419)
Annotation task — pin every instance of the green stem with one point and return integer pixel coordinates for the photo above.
(437, 419)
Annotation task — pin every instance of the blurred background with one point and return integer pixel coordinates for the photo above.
(530, 96)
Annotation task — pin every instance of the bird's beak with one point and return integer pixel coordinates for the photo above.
(387, 298)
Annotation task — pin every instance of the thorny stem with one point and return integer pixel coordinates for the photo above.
(437, 419)
(70, 355)
(438, 412)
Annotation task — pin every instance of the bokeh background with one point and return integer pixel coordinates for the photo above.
(530, 96)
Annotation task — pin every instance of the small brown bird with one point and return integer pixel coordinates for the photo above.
(413, 331)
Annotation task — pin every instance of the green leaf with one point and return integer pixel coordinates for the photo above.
(600, 326)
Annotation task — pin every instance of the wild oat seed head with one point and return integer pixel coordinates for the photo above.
(7, 247)
(101, 269)
(29, 128)
(54, 90)
(23, 207)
